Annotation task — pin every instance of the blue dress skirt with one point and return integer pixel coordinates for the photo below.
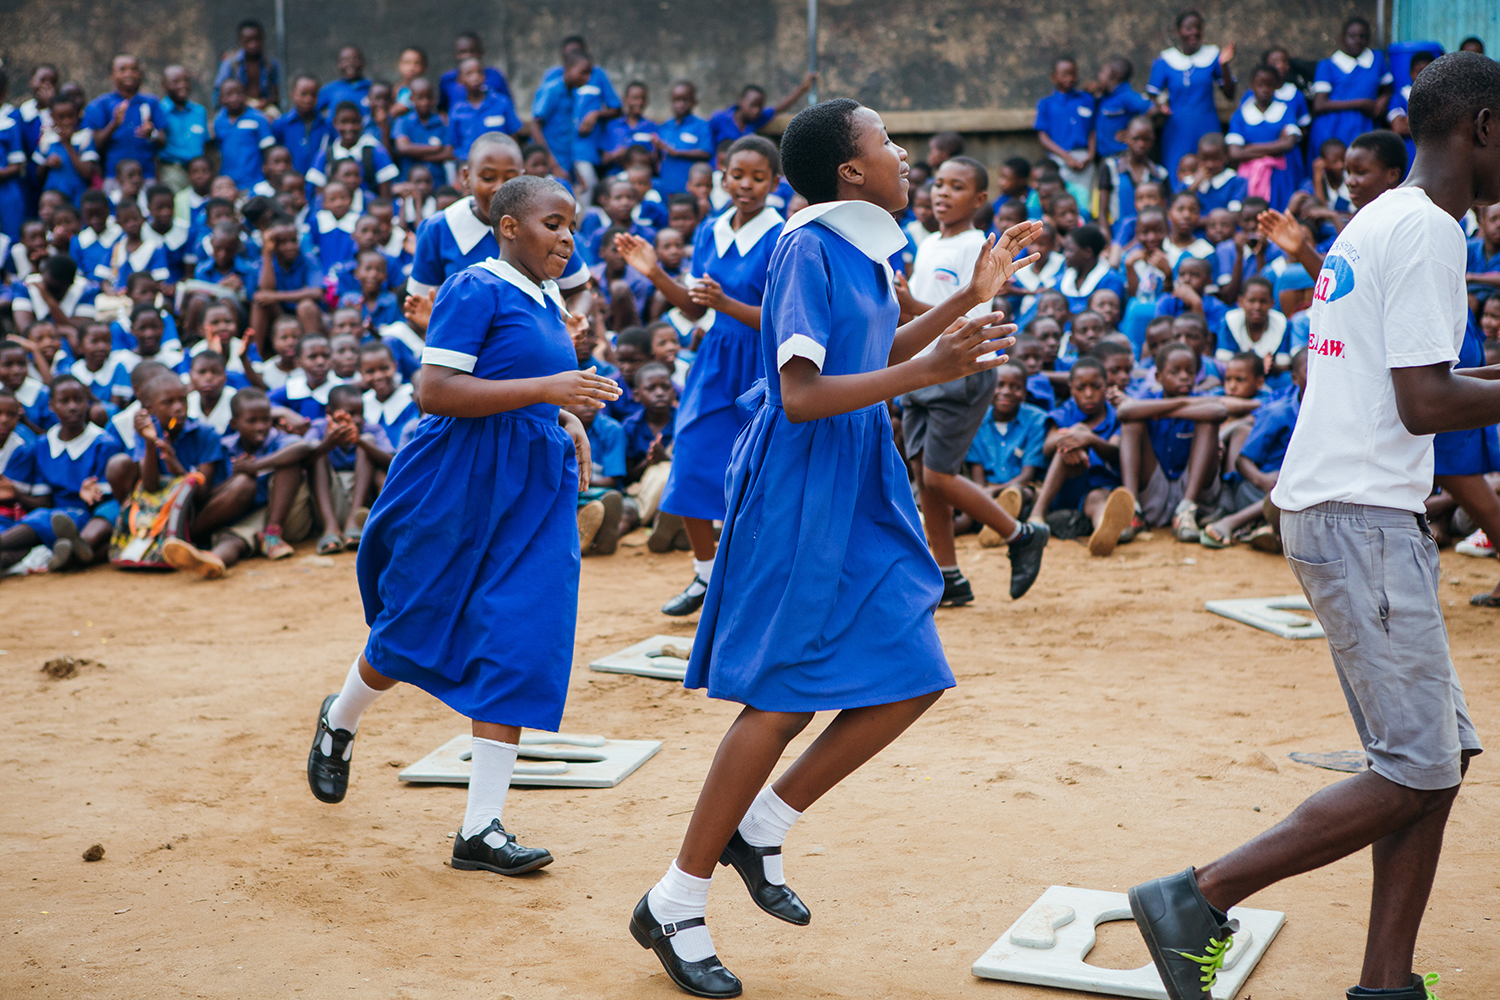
(1472, 452)
(727, 364)
(469, 562)
(823, 589)
(1188, 82)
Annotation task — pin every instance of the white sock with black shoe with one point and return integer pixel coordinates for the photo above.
(703, 569)
(353, 700)
(491, 766)
(766, 824)
(680, 896)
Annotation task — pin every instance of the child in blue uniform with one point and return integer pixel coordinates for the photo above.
(682, 140)
(1065, 128)
(729, 267)
(1352, 88)
(833, 609)
(1182, 82)
(480, 110)
(389, 403)
(242, 133)
(443, 569)
(65, 158)
(1262, 139)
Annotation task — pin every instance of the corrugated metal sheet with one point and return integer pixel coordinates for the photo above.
(1448, 21)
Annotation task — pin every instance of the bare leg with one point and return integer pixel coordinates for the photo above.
(122, 474)
(310, 316)
(937, 516)
(96, 534)
(227, 505)
(1228, 525)
(15, 542)
(1057, 472)
(1133, 442)
(323, 493)
(701, 534)
(364, 472)
(283, 492)
(1203, 460)
(1478, 499)
(965, 495)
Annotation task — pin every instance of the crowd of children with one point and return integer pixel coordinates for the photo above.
(239, 293)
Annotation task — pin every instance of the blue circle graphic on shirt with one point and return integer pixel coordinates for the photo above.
(1335, 280)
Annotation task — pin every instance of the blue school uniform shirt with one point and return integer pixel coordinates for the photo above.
(450, 91)
(587, 99)
(125, 144)
(121, 339)
(722, 125)
(336, 92)
(340, 277)
(385, 170)
(64, 179)
(382, 312)
(1274, 423)
(110, 384)
(1033, 206)
(297, 395)
(1067, 118)
(77, 302)
(1226, 190)
(1005, 450)
(1113, 112)
(399, 409)
(591, 228)
(432, 132)
(50, 466)
(241, 141)
(343, 459)
(275, 441)
(304, 272)
(454, 239)
(186, 128)
(641, 288)
(607, 446)
(466, 122)
(619, 133)
(690, 133)
(1171, 440)
(1070, 414)
(181, 256)
(1039, 392)
(13, 190)
(1213, 309)
(1188, 81)
(1343, 77)
(1274, 345)
(1122, 195)
(1481, 263)
(118, 265)
(553, 107)
(304, 140)
(639, 436)
(333, 238)
(36, 402)
(207, 270)
(197, 444)
(1079, 289)
(90, 248)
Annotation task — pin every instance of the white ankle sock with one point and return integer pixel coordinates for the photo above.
(680, 896)
(489, 781)
(1020, 527)
(704, 569)
(351, 703)
(766, 824)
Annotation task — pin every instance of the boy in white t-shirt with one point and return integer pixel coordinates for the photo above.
(939, 423)
(1388, 317)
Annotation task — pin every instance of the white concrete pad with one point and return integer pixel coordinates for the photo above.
(1278, 615)
(1047, 947)
(648, 659)
(601, 763)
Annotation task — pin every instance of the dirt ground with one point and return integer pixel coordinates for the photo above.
(1105, 729)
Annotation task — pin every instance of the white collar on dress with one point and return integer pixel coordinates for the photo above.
(868, 228)
(1285, 92)
(87, 237)
(79, 369)
(465, 226)
(540, 293)
(1220, 179)
(1198, 248)
(76, 447)
(749, 234)
(1073, 288)
(1253, 115)
(140, 259)
(30, 389)
(1204, 57)
(1346, 63)
(1032, 281)
(377, 412)
(219, 416)
(297, 387)
(172, 239)
(403, 332)
(327, 223)
(1270, 340)
(338, 151)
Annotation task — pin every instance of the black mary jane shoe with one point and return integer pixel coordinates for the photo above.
(328, 774)
(686, 603)
(705, 978)
(471, 854)
(777, 900)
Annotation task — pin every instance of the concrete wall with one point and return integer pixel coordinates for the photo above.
(974, 66)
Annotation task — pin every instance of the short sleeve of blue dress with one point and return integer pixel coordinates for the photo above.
(476, 527)
(823, 588)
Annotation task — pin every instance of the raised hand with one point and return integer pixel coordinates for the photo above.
(1281, 229)
(707, 293)
(996, 262)
(958, 352)
(580, 388)
(418, 310)
(637, 252)
(1226, 54)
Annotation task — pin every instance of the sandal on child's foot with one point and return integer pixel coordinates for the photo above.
(328, 766)
(64, 528)
(351, 540)
(274, 546)
(1264, 539)
(1136, 526)
(329, 544)
(472, 854)
(179, 554)
(1212, 538)
(704, 978)
(1185, 522)
(62, 554)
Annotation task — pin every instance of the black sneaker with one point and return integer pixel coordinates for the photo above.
(1026, 558)
(328, 774)
(956, 590)
(472, 854)
(686, 602)
(1186, 936)
(1420, 989)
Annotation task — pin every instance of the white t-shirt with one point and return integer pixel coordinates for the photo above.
(1390, 295)
(945, 264)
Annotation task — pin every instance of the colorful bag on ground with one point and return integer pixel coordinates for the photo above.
(149, 519)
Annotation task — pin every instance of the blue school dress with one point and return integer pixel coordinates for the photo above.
(449, 573)
(1188, 82)
(399, 409)
(13, 189)
(728, 363)
(50, 466)
(1226, 189)
(454, 239)
(1347, 78)
(1270, 177)
(1077, 290)
(1472, 452)
(823, 589)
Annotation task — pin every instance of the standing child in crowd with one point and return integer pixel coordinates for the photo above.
(939, 422)
(352, 142)
(479, 111)
(302, 129)
(1065, 128)
(729, 267)
(1216, 184)
(1125, 172)
(1182, 82)
(824, 409)
(440, 565)
(1087, 269)
(1352, 88)
(682, 140)
(1262, 136)
(242, 134)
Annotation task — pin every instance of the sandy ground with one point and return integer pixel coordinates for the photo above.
(1104, 730)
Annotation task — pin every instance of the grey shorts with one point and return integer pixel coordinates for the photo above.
(940, 421)
(1160, 496)
(1371, 576)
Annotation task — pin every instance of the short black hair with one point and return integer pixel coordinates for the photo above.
(980, 172)
(1108, 348)
(1423, 56)
(58, 381)
(308, 338)
(244, 398)
(1020, 166)
(649, 368)
(1257, 365)
(93, 197)
(250, 22)
(949, 142)
(520, 193)
(1190, 12)
(1450, 93)
(1170, 348)
(1330, 143)
(208, 358)
(213, 203)
(156, 191)
(376, 347)
(1387, 147)
(1087, 363)
(1260, 282)
(342, 394)
(756, 144)
(635, 336)
(59, 269)
(682, 198)
(343, 106)
(1124, 67)
(144, 309)
(607, 238)
(1089, 237)
(816, 142)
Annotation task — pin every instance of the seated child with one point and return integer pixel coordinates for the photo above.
(1483, 268)
(142, 289)
(671, 252)
(372, 295)
(1028, 354)
(1192, 330)
(340, 278)
(211, 399)
(1255, 325)
(649, 433)
(1148, 272)
(286, 280)
(632, 349)
(132, 253)
(105, 376)
(147, 327)
(389, 402)
(1088, 327)
(1086, 268)
(1039, 276)
(31, 393)
(1082, 450)
(1119, 367)
(1107, 303)
(59, 480)
(275, 372)
(1218, 184)
(13, 437)
(616, 204)
(122, 425)
(263, 504)
(49, 352)
(343, 360)
(627, 291)
(1169, 441)
(331, 227)
(57, 291)
(350, 449)
(170, 450)
(1190, 293)
(1007, 458)
(1184, 218)
(307, 389)
(666, 347)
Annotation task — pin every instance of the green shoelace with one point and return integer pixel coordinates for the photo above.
(1430, 980)
(1211, 962)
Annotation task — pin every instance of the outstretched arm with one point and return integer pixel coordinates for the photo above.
(449, 392)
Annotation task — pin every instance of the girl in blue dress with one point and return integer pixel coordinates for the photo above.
(1262, 140)
(1182, 82)
(1351, 88)
(475, 531)
(728, 276)
(823, 592)
(1461, 459)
